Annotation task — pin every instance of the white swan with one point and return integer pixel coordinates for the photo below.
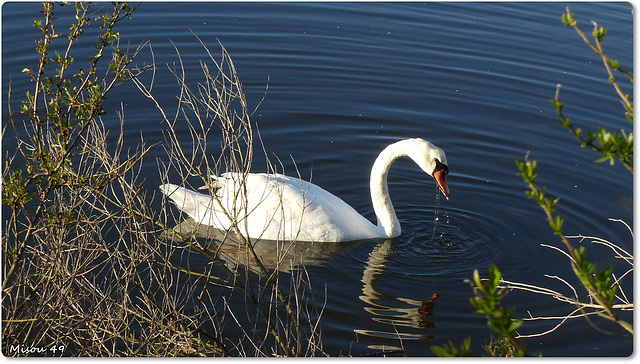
(277, 207)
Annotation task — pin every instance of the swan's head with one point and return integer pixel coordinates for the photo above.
(432, 160)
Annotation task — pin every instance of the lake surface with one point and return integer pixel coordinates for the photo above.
(345, 80)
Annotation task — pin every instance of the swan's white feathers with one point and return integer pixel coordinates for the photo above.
(278, 207)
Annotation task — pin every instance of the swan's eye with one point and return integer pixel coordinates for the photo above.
(441, 167)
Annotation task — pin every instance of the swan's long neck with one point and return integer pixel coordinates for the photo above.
(386, 215)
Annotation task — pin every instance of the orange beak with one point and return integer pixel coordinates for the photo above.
(440, 177)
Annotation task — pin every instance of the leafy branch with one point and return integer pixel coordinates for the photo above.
(500, 319)
(610, 64)
(61, 110)
(612, 146)
(486, 301)
(600, 285)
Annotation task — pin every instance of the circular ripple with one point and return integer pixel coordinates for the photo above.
(453, 244)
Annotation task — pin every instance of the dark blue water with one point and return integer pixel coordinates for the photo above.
(346, 79)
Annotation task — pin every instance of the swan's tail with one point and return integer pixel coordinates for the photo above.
(190, 202)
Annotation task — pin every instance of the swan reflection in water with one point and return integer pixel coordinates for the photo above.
(399, 313)
(283, 256)
(403, 318)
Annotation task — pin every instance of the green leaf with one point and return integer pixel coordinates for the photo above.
(449, 350)
(494, 278)
(604, 284)
(441, 352)
(556, 225)
(515, 324)
(604, 159)
(477, 280)
(599, 33)
(568, 19)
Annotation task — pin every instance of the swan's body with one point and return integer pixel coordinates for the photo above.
(278, 207)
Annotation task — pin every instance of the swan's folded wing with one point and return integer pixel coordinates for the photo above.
(200, 207)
